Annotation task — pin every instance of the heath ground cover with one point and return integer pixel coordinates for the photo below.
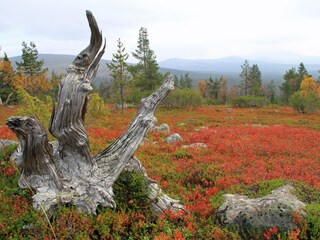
(249, 151)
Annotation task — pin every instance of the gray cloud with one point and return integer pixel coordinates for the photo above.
(201, 29)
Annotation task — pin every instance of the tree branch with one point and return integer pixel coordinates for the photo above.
(113, 159)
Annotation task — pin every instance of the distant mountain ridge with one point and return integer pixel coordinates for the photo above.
(229, 67)
(230, 64)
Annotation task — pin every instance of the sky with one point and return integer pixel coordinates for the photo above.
(202, 29)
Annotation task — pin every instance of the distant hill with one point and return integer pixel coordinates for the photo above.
(59, 63)
(229, 67)
(283, 57)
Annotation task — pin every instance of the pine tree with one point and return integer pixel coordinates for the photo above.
(33, 76)
(254, 81)
(244, 84)
(302, 73)
(214, 86)
(146, 74)
(185, 81)
(119, 69)
(288, 87)
(30, 65)
(6, 80)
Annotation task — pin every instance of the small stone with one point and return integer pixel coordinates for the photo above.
(174, 138)
(163, 128)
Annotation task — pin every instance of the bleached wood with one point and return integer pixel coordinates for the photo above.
(64, 171)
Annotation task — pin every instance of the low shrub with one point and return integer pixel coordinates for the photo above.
(183, 98)
(34, 107)
(131, 191)
(96, 108)
(305, 103)
(249, 101)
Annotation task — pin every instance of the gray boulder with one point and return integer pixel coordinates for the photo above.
(163, 128)
(275, 209)
(174, 138)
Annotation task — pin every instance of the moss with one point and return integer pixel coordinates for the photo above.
(262, 188)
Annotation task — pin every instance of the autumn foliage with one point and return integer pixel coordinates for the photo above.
(307, 99)
(249, 151)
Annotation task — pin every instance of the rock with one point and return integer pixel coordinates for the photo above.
(195, 145)
(174, 138)
(163, 128)
(275, 209)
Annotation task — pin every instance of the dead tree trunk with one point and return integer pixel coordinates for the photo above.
(64, 171)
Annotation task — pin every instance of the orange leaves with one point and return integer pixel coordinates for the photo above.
(260, 153)
(7, 70)
(270, 232)
(244, 146)
(309, 85)
(203, 88)
(34, 85)
(5, 133)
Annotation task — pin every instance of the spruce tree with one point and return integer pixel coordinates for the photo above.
(185, 81)
(302, 73)
(120, 75)
(292, 81)
(254, 81)
(288, 87)
(214, 86)
(244, 84)
(6, 80)
(146, 74)
(33, 75)
(30, 65)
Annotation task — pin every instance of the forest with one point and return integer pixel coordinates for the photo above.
(250, 139)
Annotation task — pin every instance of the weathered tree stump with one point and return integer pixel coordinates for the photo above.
(64, 171)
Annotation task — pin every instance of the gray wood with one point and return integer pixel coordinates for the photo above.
(64, 171)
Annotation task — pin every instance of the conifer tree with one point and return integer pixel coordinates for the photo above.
(120, 74)
(146, 74)
(302, 73)
(30, 65)
(6, 80)
(292, 81)
(288, 86)
(254, 81)
(244, 84)
(214, 86)
(33, 75)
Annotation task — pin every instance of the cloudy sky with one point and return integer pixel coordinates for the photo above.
(199, 29)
